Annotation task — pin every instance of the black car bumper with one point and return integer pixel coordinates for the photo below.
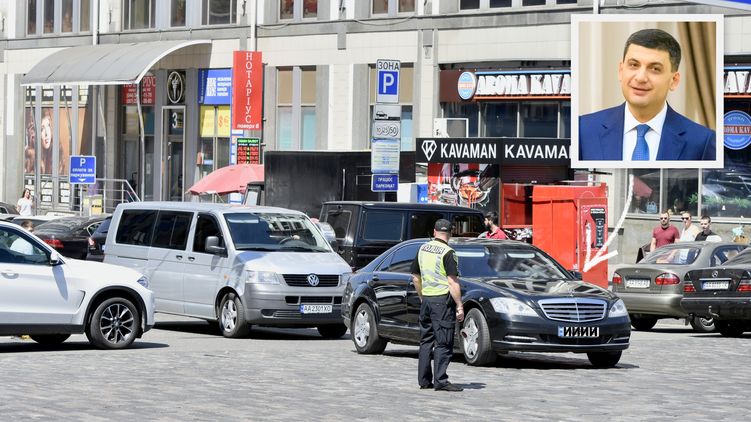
(545, 336)
(720, 308)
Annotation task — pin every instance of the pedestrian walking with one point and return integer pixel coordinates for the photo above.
(665, 233)
(491, 224)
(705, 232)
(689, 231)
(435, 273)
(24, 204)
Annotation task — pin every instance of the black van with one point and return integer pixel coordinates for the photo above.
(364, 230)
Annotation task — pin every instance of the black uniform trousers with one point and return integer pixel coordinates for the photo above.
(437, 322)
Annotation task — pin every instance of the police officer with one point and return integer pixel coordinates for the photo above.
(434, 272)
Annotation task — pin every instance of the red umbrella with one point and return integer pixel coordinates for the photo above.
(229, 179)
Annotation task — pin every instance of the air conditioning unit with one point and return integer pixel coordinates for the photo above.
(451, 128)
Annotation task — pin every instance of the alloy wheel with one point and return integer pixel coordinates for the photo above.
(229, 315)
(117, 323)
(362, 328)
(470, 333)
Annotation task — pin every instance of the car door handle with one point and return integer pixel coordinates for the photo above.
(191, 258)
(9, 273)
(179, 256)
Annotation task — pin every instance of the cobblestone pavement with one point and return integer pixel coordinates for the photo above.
(182, 371)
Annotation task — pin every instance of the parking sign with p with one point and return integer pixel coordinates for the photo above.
(388, 81)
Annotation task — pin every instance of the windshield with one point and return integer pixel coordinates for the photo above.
(275, 232)
(680, 256)
(504, 262)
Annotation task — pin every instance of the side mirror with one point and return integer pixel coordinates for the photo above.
(54, 258)
(334, 245)
(577, 275)
(212, 246)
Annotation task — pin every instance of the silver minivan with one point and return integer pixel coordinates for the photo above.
(235, 265)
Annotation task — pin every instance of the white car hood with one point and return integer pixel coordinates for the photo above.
(110, 274)
(295, 262)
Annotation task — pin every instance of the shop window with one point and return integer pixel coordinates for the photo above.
(219, 12)
(469, 111)
(49, 16)
(539, 120)
(131, 124)
(682, 186)
(565, 119)
(499, 119)
(646, 193)
(138, 14)
(177, 13)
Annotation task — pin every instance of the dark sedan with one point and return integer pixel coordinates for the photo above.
(723, 293)
(69, 235)
(516, 298)
(97, 240)
(653, 287)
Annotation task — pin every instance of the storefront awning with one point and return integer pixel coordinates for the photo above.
(104, 64)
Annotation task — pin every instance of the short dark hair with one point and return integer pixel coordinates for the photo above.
(492, 216)
(656, 39)
(706, 217)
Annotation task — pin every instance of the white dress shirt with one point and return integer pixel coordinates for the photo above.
(652, 136)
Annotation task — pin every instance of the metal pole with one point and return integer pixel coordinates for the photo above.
(142, 155)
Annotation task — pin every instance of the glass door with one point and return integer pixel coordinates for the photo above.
(174, 163)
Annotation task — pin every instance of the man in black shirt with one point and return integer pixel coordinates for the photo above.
(705, 231)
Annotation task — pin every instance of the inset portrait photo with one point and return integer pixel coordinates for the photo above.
(646, 91)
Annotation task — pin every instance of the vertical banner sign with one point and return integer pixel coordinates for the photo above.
(247, 90)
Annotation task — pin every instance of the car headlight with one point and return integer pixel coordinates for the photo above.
(262, 277)
(618, 309)
(143, 281)
(512, 307)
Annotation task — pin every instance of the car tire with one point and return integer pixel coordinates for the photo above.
(702, 324)
(115, 324)
(232, 317)
(730, 328)
(476, 339)
(365, 331)
(643, 323)
(604, 359)
(332, 331)
(50, 339)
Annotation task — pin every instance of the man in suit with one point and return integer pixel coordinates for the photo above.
(645, 127)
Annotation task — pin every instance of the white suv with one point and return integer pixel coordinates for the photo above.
(50, 297)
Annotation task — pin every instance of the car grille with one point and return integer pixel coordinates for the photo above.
(301, 280)
(294, 300)
(574, 310)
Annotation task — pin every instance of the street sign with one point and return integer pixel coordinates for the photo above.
(386, 129)
(385, 183)
(388, 81)
(82, 169)
(384, 156)
(387, 112)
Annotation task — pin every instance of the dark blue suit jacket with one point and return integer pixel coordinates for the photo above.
(601, 137)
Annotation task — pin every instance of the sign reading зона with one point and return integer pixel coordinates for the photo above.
(493, 150)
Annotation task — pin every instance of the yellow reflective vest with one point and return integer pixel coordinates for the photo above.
(433, 274)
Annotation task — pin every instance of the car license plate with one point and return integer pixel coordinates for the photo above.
(315, 309)
(637, 283)
(575, 332)
(715, 285)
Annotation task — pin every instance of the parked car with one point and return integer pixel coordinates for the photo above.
(69, 235)
(50, 297)
(653, 288)
(516, 298)
(97, 241)
(232, 264)
(7, 211)
(364, 230)
(722, 292)
(36, 220)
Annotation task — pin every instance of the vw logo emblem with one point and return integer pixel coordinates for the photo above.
(429, 147)
(715, 273)
(313, 280)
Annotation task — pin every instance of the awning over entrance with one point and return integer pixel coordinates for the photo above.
(103, 64)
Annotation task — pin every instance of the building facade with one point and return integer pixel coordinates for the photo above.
(320, 91)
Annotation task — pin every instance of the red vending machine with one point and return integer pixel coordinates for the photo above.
(570, 223)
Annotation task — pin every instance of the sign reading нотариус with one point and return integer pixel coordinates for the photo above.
(247, 90)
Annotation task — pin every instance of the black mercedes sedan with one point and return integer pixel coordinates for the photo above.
(516, 298)
(723, 293)
(69, 235)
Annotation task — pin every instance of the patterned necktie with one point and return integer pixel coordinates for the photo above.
(641, 151)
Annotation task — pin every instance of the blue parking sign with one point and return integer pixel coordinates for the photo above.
(82, 169)
(387, 89)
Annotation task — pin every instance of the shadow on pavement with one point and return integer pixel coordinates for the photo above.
(515, 360)
(30, 346)
(259, 333)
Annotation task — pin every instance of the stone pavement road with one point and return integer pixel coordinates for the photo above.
(182, 371)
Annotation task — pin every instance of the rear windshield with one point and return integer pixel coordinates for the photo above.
(679, 256)
(275, 232)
